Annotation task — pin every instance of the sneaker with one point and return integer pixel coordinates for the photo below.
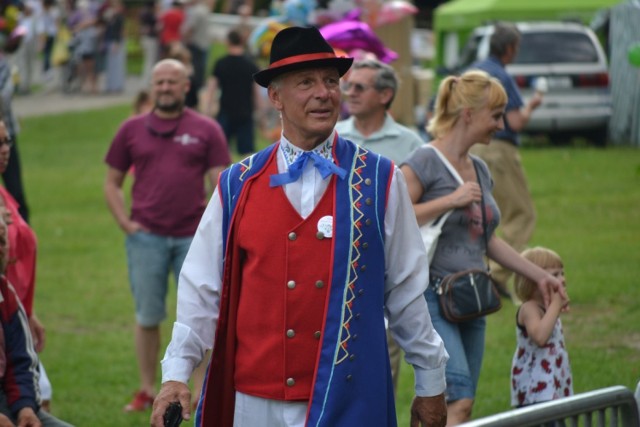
(141, 402)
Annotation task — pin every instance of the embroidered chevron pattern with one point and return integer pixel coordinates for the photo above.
(356, 182)
(245, 167)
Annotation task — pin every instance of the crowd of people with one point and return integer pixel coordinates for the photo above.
(318, 232)
(79, 45)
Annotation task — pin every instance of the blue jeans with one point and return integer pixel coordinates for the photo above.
(150, 257)
(465, 344)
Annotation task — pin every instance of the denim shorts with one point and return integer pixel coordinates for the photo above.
(465, 344)
(150, 258)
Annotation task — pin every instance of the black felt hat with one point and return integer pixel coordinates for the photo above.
(297, 48)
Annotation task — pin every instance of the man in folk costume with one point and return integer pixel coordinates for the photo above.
(302, 251)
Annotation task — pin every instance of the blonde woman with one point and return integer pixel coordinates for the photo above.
(469, 110)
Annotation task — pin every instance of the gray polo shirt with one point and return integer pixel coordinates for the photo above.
(393, 140)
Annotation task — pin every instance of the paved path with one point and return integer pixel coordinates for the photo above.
(53, 101)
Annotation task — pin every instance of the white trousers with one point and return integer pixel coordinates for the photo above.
(254, 411)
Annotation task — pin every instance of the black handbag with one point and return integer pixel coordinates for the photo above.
(469, 294)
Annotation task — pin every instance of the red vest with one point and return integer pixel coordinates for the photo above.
(284, 293)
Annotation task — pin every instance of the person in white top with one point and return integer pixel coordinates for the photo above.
(303, 250)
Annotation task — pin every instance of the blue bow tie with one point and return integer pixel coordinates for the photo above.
(324, 166)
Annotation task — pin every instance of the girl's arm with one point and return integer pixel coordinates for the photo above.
(538, 323)
(499, 251)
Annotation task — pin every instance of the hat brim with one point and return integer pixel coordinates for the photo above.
(264, 77)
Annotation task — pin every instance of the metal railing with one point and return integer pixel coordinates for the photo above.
(612, 406)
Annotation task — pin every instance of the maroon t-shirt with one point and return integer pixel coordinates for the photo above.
(170, 158)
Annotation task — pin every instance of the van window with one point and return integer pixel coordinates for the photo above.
(556, 47)
(469, 53)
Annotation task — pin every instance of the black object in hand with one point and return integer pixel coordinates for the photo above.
(173, 415)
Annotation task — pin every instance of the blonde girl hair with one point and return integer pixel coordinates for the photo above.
(474, 89)
(543, 258)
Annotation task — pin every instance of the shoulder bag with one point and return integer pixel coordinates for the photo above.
(430, 232)
(469, 294)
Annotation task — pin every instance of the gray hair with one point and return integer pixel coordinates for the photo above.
(505, 35)
(385, 78)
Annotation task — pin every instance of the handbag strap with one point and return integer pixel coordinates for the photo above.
(449, 166)
(484, 218)
(457, 177)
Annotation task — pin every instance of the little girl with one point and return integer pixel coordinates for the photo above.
(540, 369)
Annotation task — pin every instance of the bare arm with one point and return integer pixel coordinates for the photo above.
(499, 251)
(115, 200)
(464, 195)
(211, 97)
(518, 119)
(37, 331)
(538, 323)
(213, 174)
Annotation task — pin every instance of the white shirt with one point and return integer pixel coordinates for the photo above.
(407, 276)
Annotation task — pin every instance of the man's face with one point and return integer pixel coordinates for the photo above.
(362, 98)
(169, 87)
(309, 102)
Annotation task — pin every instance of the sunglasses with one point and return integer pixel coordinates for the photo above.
(6, 141)
(357, 87)
(161, 134)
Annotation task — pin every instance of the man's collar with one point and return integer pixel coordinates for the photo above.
(292, 152)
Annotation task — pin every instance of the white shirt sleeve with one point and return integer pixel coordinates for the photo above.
(407, 277)
(199, 289)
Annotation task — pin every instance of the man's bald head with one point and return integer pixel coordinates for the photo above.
(169, 87)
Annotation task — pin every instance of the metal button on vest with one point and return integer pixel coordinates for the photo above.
(293, 236)
(291, 333)
(352, 357)
(291, 284)
(361, 292)
(357, 315)
(365, 245)
(319, 284)
(317, 334)
(369, 201)
(367, 181)
(363, 268)
(348, 377)
(355, 337)
(368, 221)
(320, 235)
(291, 382)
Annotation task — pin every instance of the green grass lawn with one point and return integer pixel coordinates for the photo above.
(588, 204)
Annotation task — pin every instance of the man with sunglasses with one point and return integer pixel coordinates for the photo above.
(173, 150)
(369, 90)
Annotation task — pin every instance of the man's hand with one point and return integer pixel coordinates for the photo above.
(429, 411)
(5, 421)
(171, 391)
(28, 418)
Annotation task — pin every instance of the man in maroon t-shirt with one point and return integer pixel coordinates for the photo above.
(172, 150)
